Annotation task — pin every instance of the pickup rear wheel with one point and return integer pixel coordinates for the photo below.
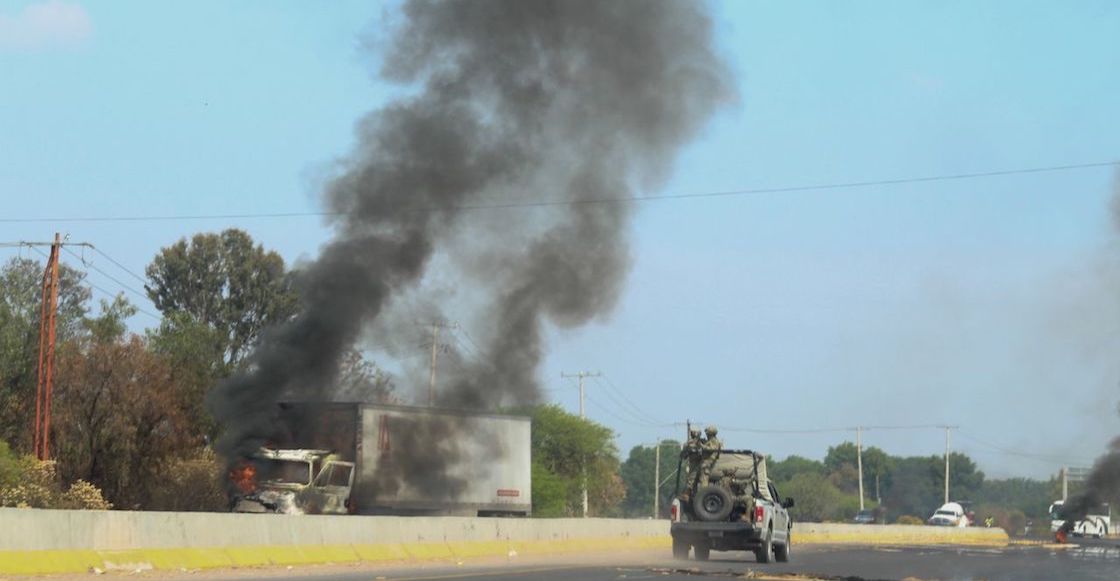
(702, 552)
(712, 503)
(680, 549)
(763, 552)
(781, 552)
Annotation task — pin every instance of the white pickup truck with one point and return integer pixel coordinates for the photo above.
(739, 509)
(951, 514)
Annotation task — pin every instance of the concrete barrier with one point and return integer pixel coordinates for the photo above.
(56, 541)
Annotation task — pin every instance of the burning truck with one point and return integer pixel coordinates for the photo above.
(354, 458)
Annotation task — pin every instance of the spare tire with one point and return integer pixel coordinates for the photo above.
(712, 503)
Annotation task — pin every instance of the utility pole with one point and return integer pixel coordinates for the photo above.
(580, 375)
(1065, 483)
(435, 350)
(48, 311)
(947, 428)
(859, 462)
(656, 478)
(44, 386)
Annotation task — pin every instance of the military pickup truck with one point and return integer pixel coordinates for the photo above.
(738, 509)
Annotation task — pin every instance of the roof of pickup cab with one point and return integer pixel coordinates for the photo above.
(291, 455)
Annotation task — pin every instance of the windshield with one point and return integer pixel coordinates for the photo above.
(285, 471)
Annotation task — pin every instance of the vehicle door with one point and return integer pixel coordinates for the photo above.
(781, 515)
(329, 493)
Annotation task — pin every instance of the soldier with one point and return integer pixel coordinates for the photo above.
(694, 444)
(711, 442)
(692, 450)
(712, 446)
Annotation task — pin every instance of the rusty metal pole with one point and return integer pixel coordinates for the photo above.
(37, 440)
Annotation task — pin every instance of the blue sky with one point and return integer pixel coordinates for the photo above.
(993, 303)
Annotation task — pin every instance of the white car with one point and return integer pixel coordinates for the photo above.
(950, 514)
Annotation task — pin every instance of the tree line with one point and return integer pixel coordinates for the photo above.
(131, 428)
(899, 489)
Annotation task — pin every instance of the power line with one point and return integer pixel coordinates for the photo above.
(787, 431)
(103, 291)
(114, 295)
(1052, 459)
(586, 201)
(105, 274)
(633, 408)
(618, 417)
(142, 280)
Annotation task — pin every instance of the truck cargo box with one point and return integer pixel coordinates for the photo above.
(423, 461)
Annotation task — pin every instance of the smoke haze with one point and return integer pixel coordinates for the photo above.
(512, 102)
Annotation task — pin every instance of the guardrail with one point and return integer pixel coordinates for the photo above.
(58, 541)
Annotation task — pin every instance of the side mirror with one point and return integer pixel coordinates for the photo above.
(787, 503)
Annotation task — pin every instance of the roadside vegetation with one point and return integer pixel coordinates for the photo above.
(131, 428)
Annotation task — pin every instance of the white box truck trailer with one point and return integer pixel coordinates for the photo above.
(339, 458)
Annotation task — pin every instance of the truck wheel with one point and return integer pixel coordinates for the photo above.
(680, 549)
(712, 503)
(702, 552)
(781, 552)
(763, 552)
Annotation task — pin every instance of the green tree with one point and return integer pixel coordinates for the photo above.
(10, 468)
(225, 281)
(841, 464)
(110, 326)
(785, 470)
(915, 488)
(362, 380)
(20, 312)
(550, 492)
(816, 499)
(965, 480)
(192, 351)
(563, 446)
(118, 418)
(637, 474)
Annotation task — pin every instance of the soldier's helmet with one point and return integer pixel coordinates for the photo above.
(711, 431)
(694, 433)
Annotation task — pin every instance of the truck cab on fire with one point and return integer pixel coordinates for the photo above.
(293, 482)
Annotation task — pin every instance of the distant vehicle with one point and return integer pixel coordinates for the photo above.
(739, 510)
(951, 514)
(346, 458)
(864, 517)
(1095, 524)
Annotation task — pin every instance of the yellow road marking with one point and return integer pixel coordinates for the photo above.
(491, 573)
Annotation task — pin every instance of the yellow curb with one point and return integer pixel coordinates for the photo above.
(31, 562)
(916, 538)
(40, 562)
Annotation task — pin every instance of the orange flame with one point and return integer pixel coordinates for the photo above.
(244, 477)
(1060, 536)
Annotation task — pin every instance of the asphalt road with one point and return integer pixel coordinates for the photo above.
(817, 562)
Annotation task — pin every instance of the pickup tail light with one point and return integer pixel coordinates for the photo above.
(759, 513)
(675, 511)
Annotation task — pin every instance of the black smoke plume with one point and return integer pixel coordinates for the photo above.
(1103, 482)
(554, 104)
(1101, 486)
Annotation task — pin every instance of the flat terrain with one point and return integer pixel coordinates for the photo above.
(815, 562)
